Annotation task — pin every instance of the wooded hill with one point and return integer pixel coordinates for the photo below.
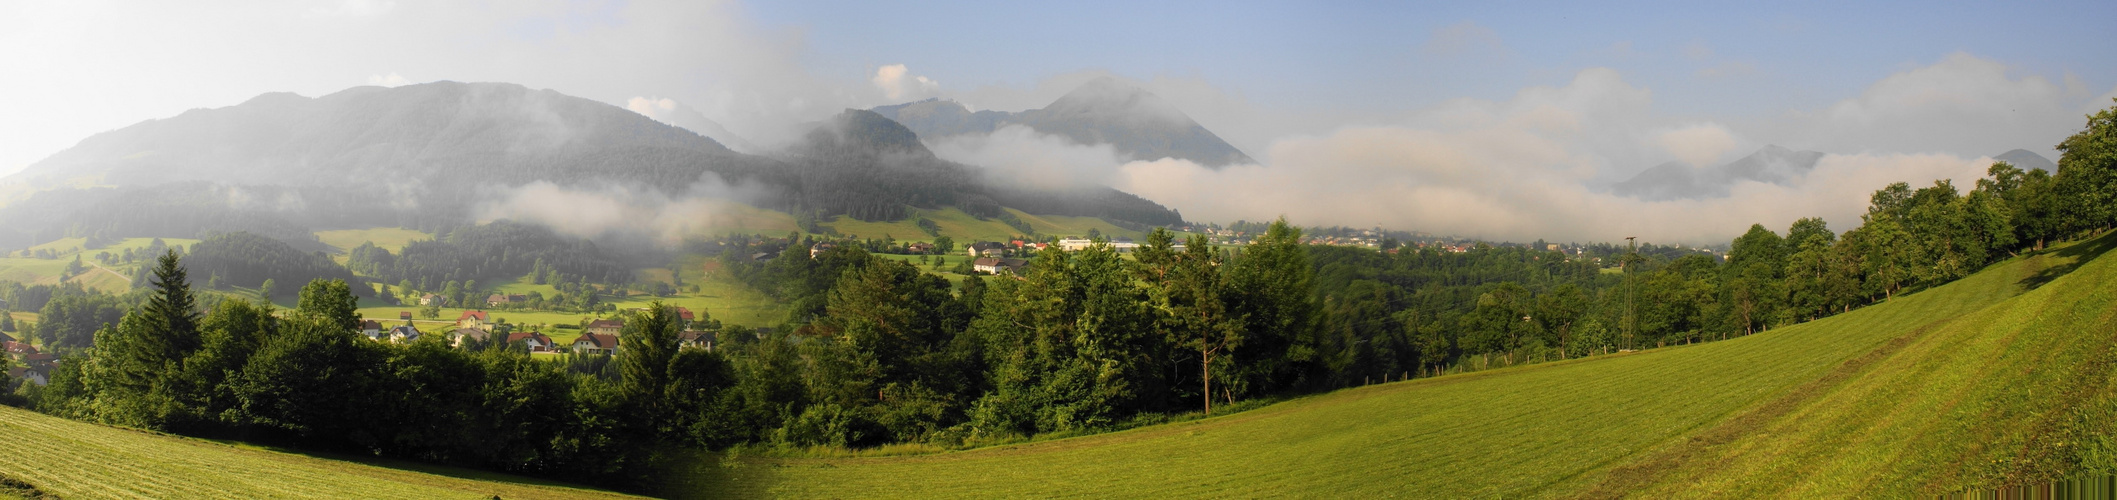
(426, 156)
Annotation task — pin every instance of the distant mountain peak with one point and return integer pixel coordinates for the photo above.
(1771, 164)
(2026, 159)
(862, 131)
(1105, 110)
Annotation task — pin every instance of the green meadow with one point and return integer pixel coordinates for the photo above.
(70, 459)
(1977, 383)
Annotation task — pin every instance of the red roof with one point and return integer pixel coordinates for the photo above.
(404, 315)
(683, 313)
(372, 324)
(33, 358)
(20, 348)
(474, 314)
(521, 336)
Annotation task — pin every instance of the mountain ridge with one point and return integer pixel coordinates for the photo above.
(1132, 120)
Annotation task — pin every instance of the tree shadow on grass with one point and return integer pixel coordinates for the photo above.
(2080, 254)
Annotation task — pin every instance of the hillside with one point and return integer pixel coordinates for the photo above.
(438, 155)
(78, 460)
(2002, 377)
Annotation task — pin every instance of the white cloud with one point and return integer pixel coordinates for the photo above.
(1964, 105)
(625, 213)
(1020, 156)
(353, 8)
(1516, 170)
(1699, 145)
(390, 80)
(897, 83)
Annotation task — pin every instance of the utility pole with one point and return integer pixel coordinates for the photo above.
(1631, 318)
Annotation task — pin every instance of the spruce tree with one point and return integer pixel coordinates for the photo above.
(172, 311)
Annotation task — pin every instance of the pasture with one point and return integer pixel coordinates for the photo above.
(79, 460)
(1985, 383)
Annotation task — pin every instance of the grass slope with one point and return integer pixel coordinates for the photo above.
(30, 271)
(78, 460)
(1886, 400)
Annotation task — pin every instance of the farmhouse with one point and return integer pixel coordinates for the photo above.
(609, 327)
(820, 248)
(537, 342)
(697, 339)
(595, 343)
(987, 249)
(371, 328)
(501, 299)
(685, 314)
(40, 360)
(18, 349)
(433, 300)
(473, 319)
(404, 315)
(997, 265)
(403, 334)
(1121, 245)
(920, 247)
(469, 334)
(31, 375)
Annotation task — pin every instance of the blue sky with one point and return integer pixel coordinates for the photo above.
(1354, 56)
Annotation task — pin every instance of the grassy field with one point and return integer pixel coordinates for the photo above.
(719, 296)
(390, 238)
(1967, 384)
(30, 271)
(79, 460)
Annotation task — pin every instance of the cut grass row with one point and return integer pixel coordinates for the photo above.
(1558, 429)
(79, 460)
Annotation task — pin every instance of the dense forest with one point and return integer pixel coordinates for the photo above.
(500, 249)
(879, 352)
(249, 260)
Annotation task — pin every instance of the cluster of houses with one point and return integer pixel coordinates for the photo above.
(597, 337)
(36, 366)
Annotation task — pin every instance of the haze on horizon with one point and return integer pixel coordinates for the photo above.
(1506, 122)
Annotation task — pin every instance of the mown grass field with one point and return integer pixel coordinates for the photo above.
(1969, 384)
(391, 238)
(31, 271)
(78, 460)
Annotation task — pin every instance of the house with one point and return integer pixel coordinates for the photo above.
(475, 334)
(595, 343)
(986, 249)
(537, 342)
(40, 360)
(820, 248)
(609, 327)
(1075, 244)
(404, 315)
(920, 247)
(18, 349)
(32, 375)
(997, 265)
(433, 300)
(501, 299)
(371, 328)
(473, 319)
(685, 314)
(402, 334)
(696, 339)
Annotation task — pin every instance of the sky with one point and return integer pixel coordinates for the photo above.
(1503, 120)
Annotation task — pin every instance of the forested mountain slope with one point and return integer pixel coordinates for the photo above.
(428, 156)
(2002, 377)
